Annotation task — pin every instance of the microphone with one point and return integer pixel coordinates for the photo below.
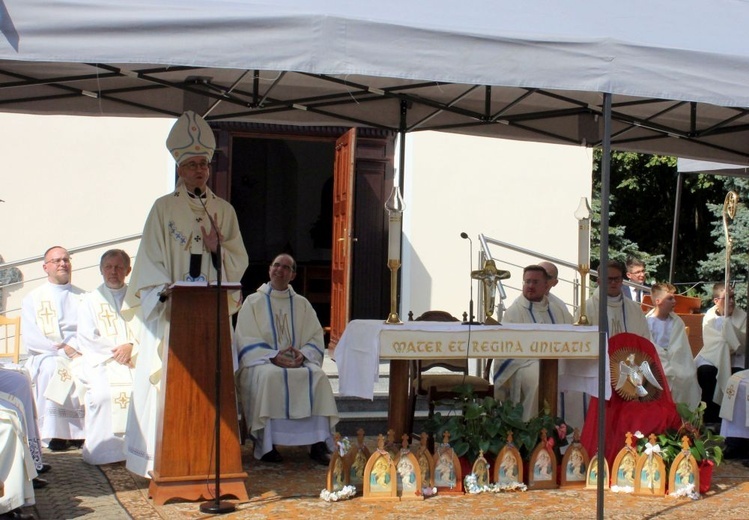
(464, 235)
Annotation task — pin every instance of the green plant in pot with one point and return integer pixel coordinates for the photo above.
(482, 424)
(705, 446)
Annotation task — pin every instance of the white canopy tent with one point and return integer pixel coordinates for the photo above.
(677, 69)
(666, 77)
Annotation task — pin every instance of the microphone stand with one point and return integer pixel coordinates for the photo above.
(471, 316)
(215, 506)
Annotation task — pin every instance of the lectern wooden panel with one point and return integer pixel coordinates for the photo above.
(184, 465)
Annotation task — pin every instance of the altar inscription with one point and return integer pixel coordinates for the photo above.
(549, 342)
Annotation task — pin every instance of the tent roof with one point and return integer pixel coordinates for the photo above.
(534, 70)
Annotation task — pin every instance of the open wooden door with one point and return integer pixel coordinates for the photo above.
(343, 200)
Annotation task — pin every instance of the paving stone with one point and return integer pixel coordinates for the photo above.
(76, 490)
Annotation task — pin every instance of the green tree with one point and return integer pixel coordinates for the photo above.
(642, 201)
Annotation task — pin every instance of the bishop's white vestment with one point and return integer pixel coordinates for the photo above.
(624, 315)
(723, 343)
(284, 406)
(171, 250)
(49, 317)
(671, 342)
(108, 383)
(16, 464)
(523, 373)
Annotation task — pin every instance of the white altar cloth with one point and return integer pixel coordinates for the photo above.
(736, 423)
(364, 342)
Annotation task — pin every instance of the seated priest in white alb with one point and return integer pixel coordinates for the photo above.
(49, 321)
(16, 383)
(625, 315)
(286, 397)
(107, 343)
(533, 306)
(671, 341)
(723, 351)
(17, 471)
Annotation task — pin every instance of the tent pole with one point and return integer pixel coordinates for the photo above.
(675, 233)
(603, 319)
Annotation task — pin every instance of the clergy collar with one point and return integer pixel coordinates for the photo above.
(59, 286)
(203, 195)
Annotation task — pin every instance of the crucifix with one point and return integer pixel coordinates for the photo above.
(490, 277)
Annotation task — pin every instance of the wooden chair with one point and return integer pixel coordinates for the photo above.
(437, 386)
(10, 338)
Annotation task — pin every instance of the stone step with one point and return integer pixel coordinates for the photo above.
(373, 423)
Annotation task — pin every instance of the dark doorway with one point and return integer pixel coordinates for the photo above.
(282, 192)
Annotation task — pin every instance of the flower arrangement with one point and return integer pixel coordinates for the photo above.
(706, 447)
(342, 494)
(470, 484)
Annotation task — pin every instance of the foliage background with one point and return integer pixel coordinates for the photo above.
(642, 201)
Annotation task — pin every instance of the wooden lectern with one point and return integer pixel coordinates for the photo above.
(184, 465)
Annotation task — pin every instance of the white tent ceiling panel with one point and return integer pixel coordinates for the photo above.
(535, 70)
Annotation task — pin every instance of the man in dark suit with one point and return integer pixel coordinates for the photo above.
(636, 273)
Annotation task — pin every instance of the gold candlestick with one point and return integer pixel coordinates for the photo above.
(393, 318)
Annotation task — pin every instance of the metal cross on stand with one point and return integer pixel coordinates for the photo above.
(490, 277)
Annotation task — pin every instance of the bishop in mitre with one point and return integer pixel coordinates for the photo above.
(178, 244)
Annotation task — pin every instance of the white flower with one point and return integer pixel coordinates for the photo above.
(472, 487)
(687, 491)
(650, 449)
(639, 434)
(343, 494)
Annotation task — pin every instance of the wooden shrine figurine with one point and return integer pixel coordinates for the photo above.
(623, 469)
(574, 464)
(338, 469)
(542, 469)
(390, 445)
(650, 471)
(684, 471)
(481, 470)
(448, 476)
(357, 460)
(591, 477)
(426, 462)
(380, 476)
(508, 466)
(409, 474)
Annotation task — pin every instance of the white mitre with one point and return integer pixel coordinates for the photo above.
(190, 137)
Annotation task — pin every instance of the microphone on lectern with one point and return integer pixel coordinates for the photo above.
(464, 235)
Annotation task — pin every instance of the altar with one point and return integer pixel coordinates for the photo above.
(365, 342)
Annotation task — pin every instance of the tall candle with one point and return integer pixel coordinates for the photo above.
(394, 236)
(583, 245)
